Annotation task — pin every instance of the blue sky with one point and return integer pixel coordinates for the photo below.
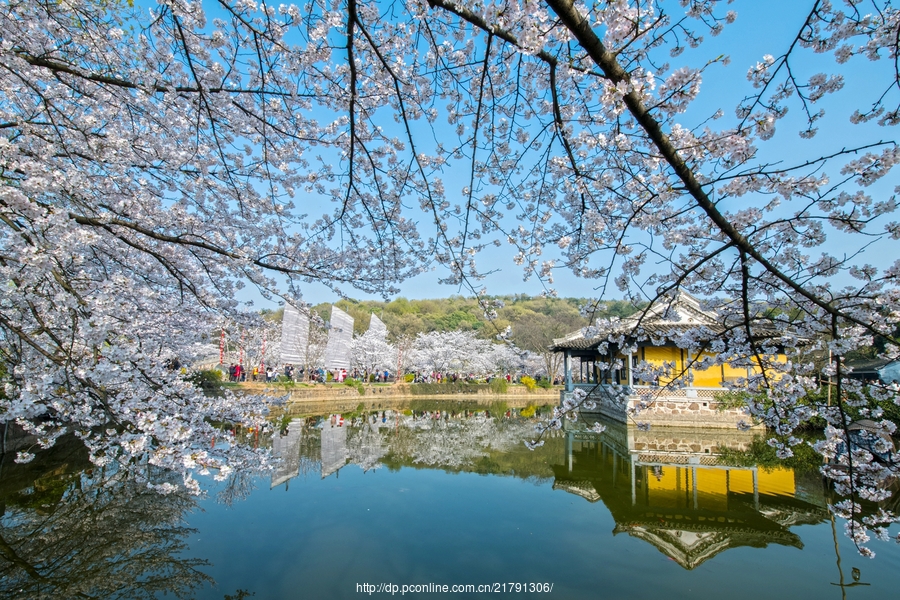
(762, 27)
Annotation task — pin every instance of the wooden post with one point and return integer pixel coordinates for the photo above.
(629, 371)
(756, 488)
(694, 485)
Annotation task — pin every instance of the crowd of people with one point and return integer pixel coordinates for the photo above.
(238, 373)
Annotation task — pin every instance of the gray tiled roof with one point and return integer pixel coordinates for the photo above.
(662, 321)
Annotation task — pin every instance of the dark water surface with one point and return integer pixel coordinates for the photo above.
(450, 501)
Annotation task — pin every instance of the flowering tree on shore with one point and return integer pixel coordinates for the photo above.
(154, 161)
(371, 353)
(450, 352)
(253, 342)
(137, 195)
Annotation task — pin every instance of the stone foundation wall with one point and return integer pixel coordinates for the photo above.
(687, 440)
(686, 408)
(697, 412)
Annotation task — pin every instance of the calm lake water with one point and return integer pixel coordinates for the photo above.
(458, 500)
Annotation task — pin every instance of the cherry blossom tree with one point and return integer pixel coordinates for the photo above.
(578, 126)
(148, 166)
(371, 353)
(451, 352)
(505, 358)
(253, 343)
(153, 161)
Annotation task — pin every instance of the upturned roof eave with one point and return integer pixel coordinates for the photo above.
(651, 333)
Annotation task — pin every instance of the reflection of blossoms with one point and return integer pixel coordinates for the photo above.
(432, 439)
(365, 445)
(597, 428)
(111, 536)
(459, 442)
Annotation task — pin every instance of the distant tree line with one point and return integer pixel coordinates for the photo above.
(524, 314)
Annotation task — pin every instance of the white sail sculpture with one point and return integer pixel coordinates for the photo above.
(294, 336)
(377, 326)
(340, 337)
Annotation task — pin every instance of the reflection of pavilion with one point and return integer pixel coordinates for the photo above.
(665, 486)
(287, 448)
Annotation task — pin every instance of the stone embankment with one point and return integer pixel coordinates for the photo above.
(301, 398)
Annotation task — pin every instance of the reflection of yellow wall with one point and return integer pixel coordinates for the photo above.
(675, 488)
(778, 481)
(669, 489)
(741, 482)
(674, 485)
(711, 484)
(668, 480)
(712, 481)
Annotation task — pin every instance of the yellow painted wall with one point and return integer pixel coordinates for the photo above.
(732, 373)
(779, 358)
(710, 377)
(658, 356)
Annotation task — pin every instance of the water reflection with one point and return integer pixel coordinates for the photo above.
(442, 439)
(670, 488)
(286, 445)
(68, 531)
